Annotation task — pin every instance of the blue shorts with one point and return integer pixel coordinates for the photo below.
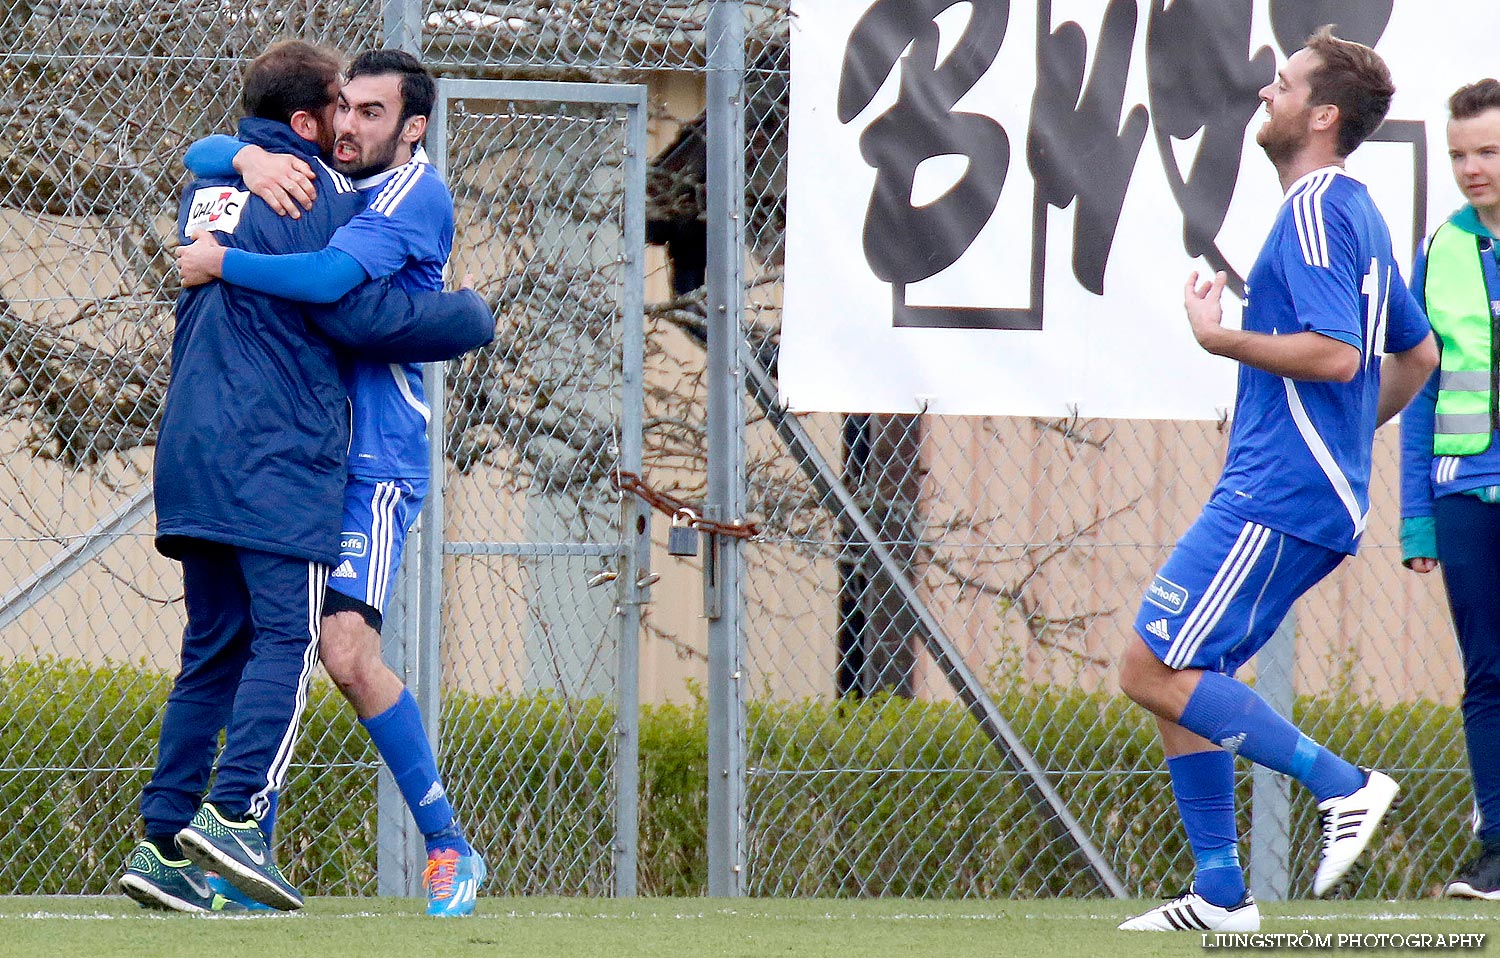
(377, 516)
(1225, 589)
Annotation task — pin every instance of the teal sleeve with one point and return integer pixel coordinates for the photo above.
(212, 156)
(319, 277)
(1418, 538)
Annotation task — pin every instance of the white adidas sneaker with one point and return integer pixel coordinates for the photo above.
(1192, 912)
(1348, 825)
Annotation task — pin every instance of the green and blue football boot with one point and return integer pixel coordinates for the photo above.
(157, 881)
(238, 852)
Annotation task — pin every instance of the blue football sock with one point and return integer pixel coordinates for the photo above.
(402, 742)
(450, 837)
(1329, 776)
(1203, 784)
(1228, 713)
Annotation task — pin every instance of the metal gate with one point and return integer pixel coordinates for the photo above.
(525, 611)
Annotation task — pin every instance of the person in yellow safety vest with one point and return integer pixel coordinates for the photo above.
(1450, 461)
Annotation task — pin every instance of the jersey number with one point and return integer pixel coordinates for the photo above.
(1377, 298)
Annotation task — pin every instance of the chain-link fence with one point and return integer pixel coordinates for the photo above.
(1029, 542)
(932, 608)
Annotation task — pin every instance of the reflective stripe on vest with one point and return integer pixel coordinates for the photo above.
(1458, 308)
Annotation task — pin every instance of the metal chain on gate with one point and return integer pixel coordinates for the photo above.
(680, 511)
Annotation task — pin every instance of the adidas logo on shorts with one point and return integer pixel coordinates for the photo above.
(344, 571)
(1157, 628)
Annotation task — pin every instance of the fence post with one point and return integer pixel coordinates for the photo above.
(723, 562)
(403, 25)
(399, 855)
(635, 528)
(1271, 792)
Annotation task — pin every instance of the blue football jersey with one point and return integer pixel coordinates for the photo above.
(1299, 451)
(405, 232)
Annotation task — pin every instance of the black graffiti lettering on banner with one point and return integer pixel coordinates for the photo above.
(1203, 82)
(1363, 21)
(1073, 148)
(904, 243)
(1202, 78)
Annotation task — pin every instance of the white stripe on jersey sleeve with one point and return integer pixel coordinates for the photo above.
(1447, 469)
(1322, 233)
(395, 189)
(1307, 210)
(1301, 225)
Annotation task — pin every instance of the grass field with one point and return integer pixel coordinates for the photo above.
(680, 928)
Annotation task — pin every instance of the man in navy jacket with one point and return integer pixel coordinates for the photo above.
(249, 484)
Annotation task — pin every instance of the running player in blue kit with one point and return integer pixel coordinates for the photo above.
(1323, 301)
(405, 232)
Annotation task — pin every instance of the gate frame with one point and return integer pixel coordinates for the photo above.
(419, 594)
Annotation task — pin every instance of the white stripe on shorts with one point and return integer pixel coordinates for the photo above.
(317, 584)
(383, 504)
(1216, 598)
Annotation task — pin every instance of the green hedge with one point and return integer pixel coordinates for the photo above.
(845, 798)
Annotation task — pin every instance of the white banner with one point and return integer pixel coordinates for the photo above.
(994, 205)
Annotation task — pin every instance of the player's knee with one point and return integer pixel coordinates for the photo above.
(1140, 672)
(349, 649)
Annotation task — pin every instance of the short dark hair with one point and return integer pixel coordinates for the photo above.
(291, 76)
(418, 88)
(1474, 99)
(1353, 78)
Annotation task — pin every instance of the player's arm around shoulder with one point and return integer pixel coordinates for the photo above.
(285, 183)
(386, 323)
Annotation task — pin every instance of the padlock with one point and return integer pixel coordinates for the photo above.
(682, 538)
